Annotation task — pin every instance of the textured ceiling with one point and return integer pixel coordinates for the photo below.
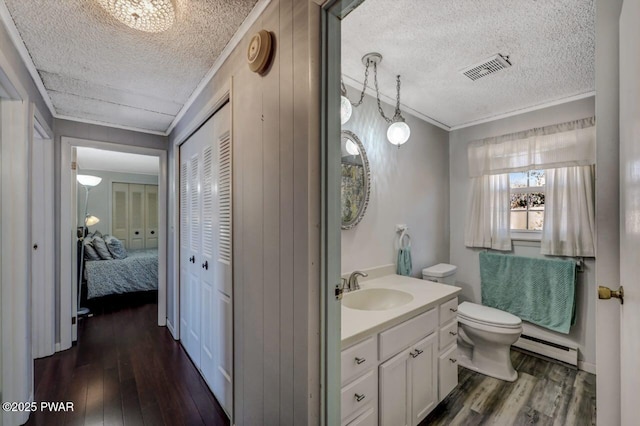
(551, 44)
(112, 161)
(96, 68)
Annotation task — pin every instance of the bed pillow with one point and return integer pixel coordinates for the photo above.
(101, 248)
(115, 246)
(90, 252)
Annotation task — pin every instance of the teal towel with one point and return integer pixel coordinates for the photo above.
(404, 261)
(541, 291)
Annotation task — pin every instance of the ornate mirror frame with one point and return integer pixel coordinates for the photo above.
(367, 179)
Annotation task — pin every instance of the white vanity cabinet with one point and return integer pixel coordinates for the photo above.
(412, 365)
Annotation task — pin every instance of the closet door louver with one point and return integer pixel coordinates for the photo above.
(151, 216)
(136, 216)
(224, 360)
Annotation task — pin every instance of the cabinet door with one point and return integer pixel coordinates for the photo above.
(448, 372)
(120, 212)
(395, 391)
(424, 378)
(136, 216)
(151, 216)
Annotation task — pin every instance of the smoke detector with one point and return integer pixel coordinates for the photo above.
(488, 66)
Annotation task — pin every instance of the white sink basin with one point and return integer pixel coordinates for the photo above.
(376, 299)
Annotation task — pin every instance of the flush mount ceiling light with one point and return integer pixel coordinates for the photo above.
(152, 16)
(398, 132)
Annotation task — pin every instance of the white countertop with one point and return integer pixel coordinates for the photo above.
(358, 324)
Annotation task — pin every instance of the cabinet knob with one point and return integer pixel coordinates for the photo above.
(453, 360)
(192, 259)
(137, 232)
(359, 397)
(205, 265)
(453, 333)
(453, 310)
(35, 246)
(360, 360)
(153, 232)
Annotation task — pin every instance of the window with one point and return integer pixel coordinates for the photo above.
(527, 200)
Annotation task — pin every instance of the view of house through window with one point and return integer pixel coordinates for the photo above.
(527, 200)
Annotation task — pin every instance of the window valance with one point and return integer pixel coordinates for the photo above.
(560, 145)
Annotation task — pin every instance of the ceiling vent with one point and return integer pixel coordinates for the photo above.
(488, 66)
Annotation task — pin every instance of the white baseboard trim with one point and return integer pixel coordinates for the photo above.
(172, 330)
(587, 366)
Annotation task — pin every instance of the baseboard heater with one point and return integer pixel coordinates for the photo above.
(551, 350)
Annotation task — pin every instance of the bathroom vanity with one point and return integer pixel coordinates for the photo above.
(398, 350)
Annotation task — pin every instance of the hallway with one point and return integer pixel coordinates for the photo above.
(124, 370)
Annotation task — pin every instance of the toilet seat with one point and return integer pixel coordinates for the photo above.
(473, 313)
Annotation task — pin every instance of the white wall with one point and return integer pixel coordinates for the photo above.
(409, 185)
(100, 203)
(468, 276)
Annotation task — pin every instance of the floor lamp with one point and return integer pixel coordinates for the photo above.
(88, 182)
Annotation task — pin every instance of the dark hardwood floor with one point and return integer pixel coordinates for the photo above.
(546, 393)
(125, 370)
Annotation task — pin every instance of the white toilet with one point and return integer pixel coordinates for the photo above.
(485, 334)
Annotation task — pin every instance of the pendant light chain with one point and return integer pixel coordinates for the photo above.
(375, 80)
(364, 87)
(398, 114)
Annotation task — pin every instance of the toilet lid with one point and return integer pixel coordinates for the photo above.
(487, 315)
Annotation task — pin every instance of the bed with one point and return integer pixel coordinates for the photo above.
(137, 272)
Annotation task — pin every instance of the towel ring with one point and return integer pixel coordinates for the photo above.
(405, 234)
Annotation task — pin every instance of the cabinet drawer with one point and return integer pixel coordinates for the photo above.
(360, 394)
(448, 311)
(368, 418)
(448, 334)
(357, 359)
(399, 337)
(448, 372)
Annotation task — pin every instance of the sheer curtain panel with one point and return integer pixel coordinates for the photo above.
(569, 219)
(488, 218)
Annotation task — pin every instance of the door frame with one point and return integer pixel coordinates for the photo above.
(330, 225)
(68, 224)
(16, 360)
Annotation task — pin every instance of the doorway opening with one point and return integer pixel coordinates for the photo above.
(117, 198)
(123, 205)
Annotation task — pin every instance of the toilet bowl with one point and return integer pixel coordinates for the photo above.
(485, 336)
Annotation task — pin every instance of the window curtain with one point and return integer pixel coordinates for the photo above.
(569, 219)
(561, 145)
(488, 218)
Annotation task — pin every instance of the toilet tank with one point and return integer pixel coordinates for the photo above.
(440, 273)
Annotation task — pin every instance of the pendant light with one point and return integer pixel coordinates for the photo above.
(398, 131)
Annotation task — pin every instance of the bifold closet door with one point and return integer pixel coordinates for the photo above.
(190, 249)
(151, 216)
(136, 216)
(120, 212)
(205, 253)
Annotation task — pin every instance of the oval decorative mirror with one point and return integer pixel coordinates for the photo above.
(356, 180)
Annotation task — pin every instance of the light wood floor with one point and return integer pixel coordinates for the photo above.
(546, 393)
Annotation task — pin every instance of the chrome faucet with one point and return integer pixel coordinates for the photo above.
(352, 283)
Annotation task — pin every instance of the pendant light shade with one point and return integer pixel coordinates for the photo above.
(345, 109)
(398, 132)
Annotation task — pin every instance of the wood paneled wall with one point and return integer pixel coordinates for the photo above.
(276, 218)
